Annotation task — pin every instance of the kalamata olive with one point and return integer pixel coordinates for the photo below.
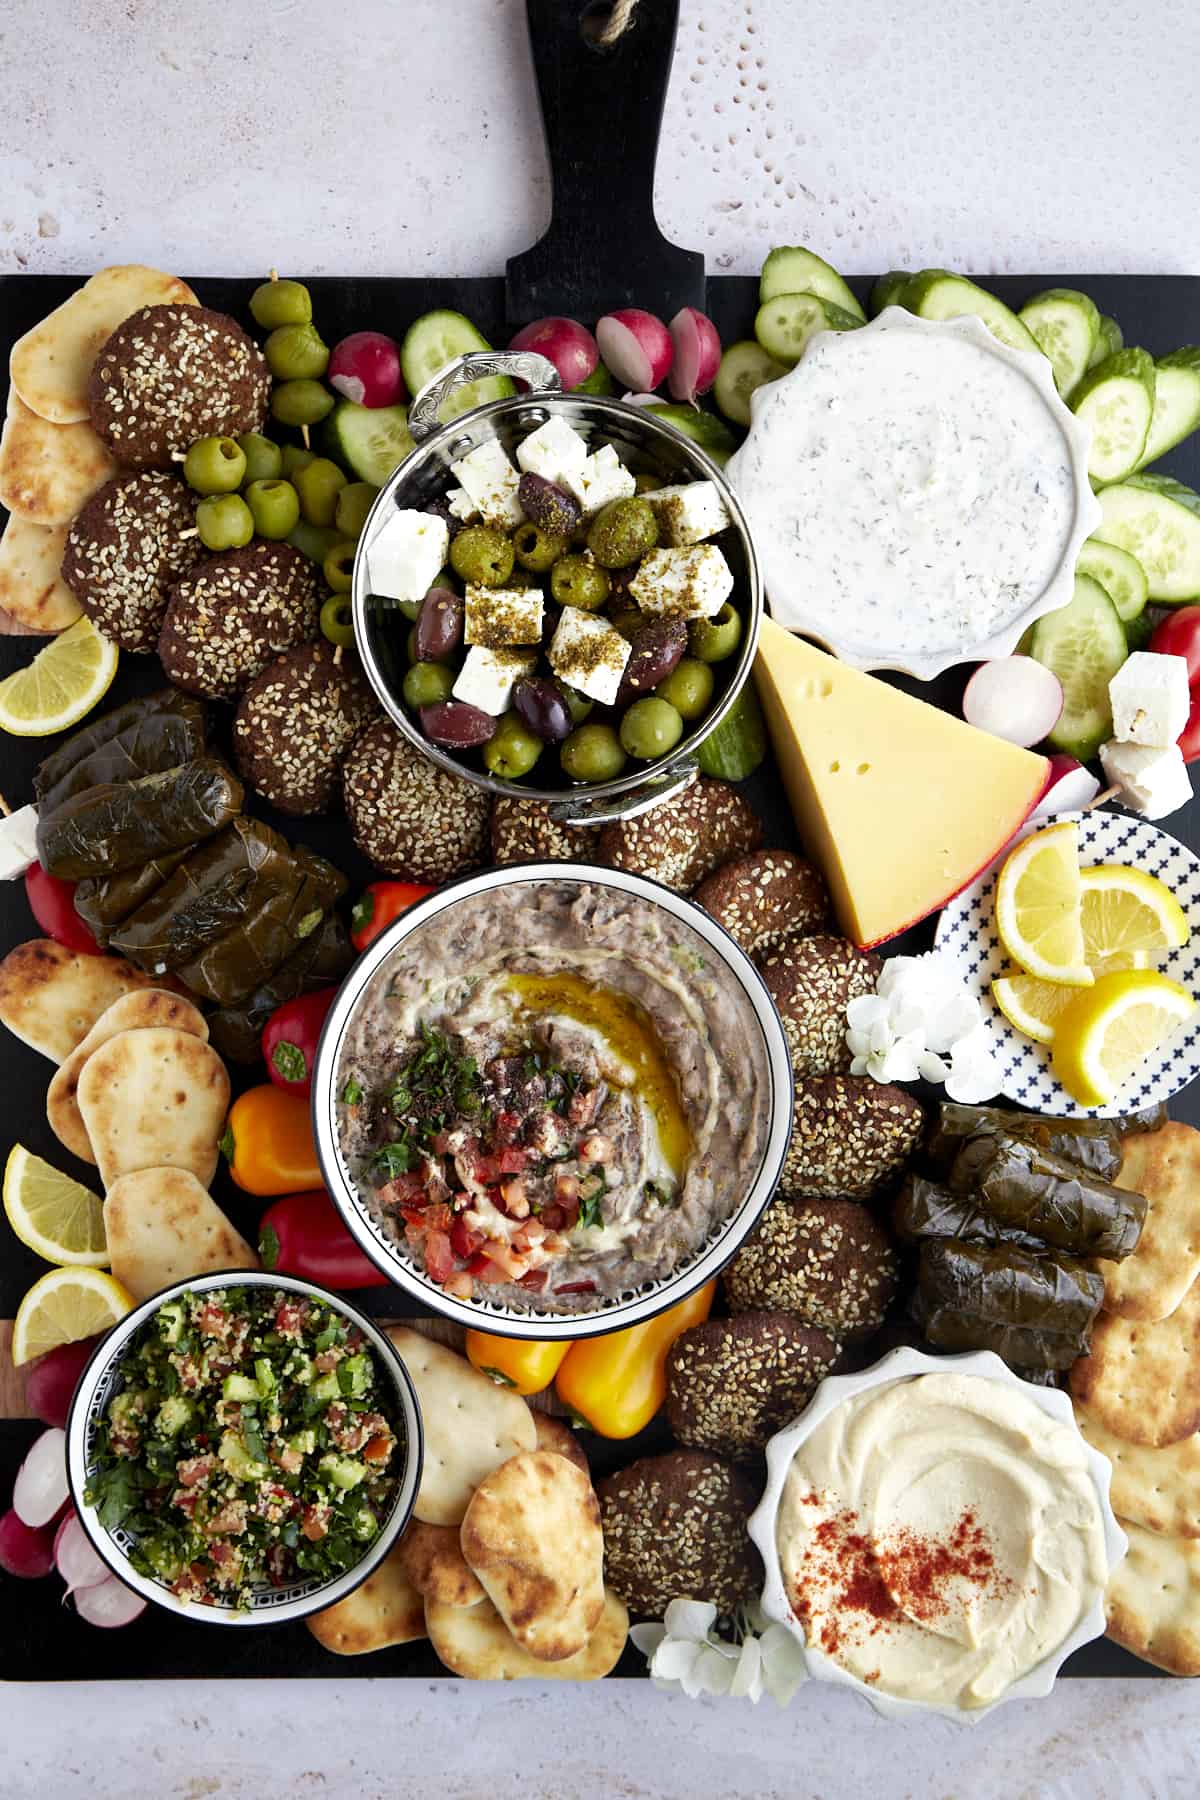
(439, 625)
(653, 654)
(440, 509)
(455, 725)
(540, 706)
(549, 506)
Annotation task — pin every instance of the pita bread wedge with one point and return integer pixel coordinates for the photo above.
(154, 1099)
(474, 1641)
(51, 364)
(48, 471)
(384, 1610)
(32, 590)
(555, 1434)
(140, 1011)
(163, 1227)
(432, 1559)
(51, 997)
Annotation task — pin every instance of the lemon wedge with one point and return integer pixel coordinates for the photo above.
(1128, 918)
(61, 685)
(65, 1305)
(1038, 907)
(1108, 1032)
(56, 1216)
(1031, 1006)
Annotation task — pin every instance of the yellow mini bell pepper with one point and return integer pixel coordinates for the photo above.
(617, 1383)
(269, 1142)
(526, 1365)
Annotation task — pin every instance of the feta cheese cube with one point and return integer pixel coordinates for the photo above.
(1150, 699)
(406, 554)
(603, 477)
(556, 452)
(688, 513)
(18, 842)
(498, 617)
(691, 583)
(489, 479)
(589, 654)
(1153, 781)
(462, 505)
(488, 676)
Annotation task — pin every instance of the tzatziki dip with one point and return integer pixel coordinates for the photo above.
(913, 490)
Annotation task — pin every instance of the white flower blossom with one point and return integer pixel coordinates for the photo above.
(922, 1023)
(686, 1654)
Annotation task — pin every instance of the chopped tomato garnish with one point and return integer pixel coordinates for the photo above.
(439, 1257)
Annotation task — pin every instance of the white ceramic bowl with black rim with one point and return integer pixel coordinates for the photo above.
(646, 444)
(628, 1308)
(103, 1379)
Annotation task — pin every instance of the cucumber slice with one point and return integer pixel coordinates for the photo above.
(1083, 643)
(1109, 339)
(434, 340)
(1176, 402)
(889, 290)
(744, 367)
(598, 382)
(1138, 632)
(935, 294)
(1157, 520)
(370, 440)
(1064, 324)
(1120, 575)
(794, 270)
(785, 324)
(739, 743)
(1116, 400)
(704, 428)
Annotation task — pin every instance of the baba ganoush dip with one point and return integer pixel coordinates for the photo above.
(551, 1095)
(911, 490)
(940, 1537)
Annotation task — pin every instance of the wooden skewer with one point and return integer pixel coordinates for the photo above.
(1110, 793)
(5, 808)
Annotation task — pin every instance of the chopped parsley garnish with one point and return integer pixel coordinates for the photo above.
(590, 1215)
(352, 1092)
(396, 1158)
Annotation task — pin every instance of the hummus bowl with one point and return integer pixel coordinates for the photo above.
(995, 1582)
(552, 1100)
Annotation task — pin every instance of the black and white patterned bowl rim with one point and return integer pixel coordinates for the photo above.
(967, 934)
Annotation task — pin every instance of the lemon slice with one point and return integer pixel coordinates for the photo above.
(65, 1305)
(1108, 1032)
(62, 683)
(1033, 1007)
(1128, 918)
(1038, 907)
(57, 1217)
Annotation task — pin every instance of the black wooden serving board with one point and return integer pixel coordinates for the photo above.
(46, 1641)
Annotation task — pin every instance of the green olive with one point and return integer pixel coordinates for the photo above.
(224, 522)
(712, 640)
(264, 458)
(409, 608)
(354, 502)
(576, 581)
(650, 728)
(578, 705)
(275, 506)
(482, 555)
(338, 566)
(281, 303)
(622, 532)
(646, 484)
(337, 621)
(592, 753)
(296, 353)
(312, 540)
(300, 402)
(295, 457)
(426, 684)
(215, 465)
(512, 750)
(318, 484)
(536, 549)
(688, 687)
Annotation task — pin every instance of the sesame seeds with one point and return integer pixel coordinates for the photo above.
(123, 551)
(850, 1135)
(731, 1383)
(676, 1524)
(406, 815)
(231, 616)
(830, 1262)
(295, 723)
(812, 981)
(523, 831)
(765, 896)
(684, 839)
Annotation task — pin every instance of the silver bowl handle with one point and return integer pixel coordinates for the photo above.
(581, 811)
(524, 365)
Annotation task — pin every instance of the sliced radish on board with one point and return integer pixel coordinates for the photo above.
(697, 347)
(110, 1604)
(75, 1558)
(636, 347)
(25, 1551)
(566, 343)
(1014, 698)
(41, 1485)
(365, 367)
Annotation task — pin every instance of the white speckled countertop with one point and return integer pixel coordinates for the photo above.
(400, 137)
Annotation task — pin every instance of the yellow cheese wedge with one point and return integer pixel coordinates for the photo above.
(900, 804)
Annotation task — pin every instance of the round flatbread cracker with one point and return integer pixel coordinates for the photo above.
(1142, 1378)
(384, 1610)
(1157, 1488)
(1164, 1166)
(473, 1641)
(1153, 1600)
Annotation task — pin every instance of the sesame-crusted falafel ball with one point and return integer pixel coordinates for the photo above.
(812, 981)
(828, 1262)
(850, 1135)
(406, 815)
(686, 838)
(523, 831)
(295, 723)
(764, 897)
(733, 1383)
(675, 1526)
(125, 547)
(234, 614)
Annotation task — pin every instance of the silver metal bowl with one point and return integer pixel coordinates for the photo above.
(104, 1377)
(646, 444)
(653, 1296)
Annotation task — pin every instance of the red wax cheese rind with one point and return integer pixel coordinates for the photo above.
(901, 805)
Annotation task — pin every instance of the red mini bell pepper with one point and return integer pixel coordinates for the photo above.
(303, 1234)
(290, 1038)
(1179, 635)
(52, 903)
(378, 905)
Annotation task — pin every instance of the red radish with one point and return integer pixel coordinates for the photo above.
(25, 1551)
(1071, 787)
(110, 1604)
(365, 367)
(641, 399)
(566, 343)
(636, 347)
(697, 354)
(75, 1558)
(50, 1382)
(1015, 698)
(41, 1484)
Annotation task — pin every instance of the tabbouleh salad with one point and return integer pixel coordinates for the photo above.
(254, 1443)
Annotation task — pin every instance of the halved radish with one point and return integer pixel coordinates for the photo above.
(365, 367)
(50, 1381)
(566, 343)
(636, 347)
(25, 1551)
(79, 1564)
(1015, 698)
(41, 1485)
(110, 1604)
(1071, 787)
(697, 347)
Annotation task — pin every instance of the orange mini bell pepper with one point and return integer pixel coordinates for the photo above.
(617, 1383)
(269, 1142)
(527, 1365)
